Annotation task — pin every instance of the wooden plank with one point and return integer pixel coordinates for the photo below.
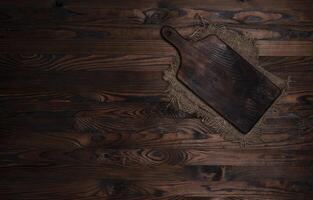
(121, 4)
(73, 20)
(129, 133)
(83, 62)
(159, 157)
(287, 66)
(121, 189)
(107, 23)
(225, 4)
(281, 66)
(209, 173)
(82, 30)
(75, 82)
(136, 47)
(52, 177)
(38, 139)
(139, 47)
(285, 48)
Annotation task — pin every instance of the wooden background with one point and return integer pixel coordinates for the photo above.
(84, 113)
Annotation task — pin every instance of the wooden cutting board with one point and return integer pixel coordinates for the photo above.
(223, 79)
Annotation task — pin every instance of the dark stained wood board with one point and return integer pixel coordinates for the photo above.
(84, 115)
(223, 79)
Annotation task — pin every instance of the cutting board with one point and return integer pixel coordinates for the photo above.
(223, 79)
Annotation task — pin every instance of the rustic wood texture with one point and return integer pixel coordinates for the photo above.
(84, 113)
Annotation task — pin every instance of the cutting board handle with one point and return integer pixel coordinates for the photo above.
(173, 37)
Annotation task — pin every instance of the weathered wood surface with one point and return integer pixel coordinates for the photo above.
(84, 115)
(101, 26)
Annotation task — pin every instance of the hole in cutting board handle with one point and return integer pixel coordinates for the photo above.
(167, 31)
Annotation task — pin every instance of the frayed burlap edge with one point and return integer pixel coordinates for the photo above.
(183, 99)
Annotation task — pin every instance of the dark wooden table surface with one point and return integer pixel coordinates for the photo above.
(84, 111)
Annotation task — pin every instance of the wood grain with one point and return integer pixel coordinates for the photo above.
(138, 47)
(74, 24)
(84, 113)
